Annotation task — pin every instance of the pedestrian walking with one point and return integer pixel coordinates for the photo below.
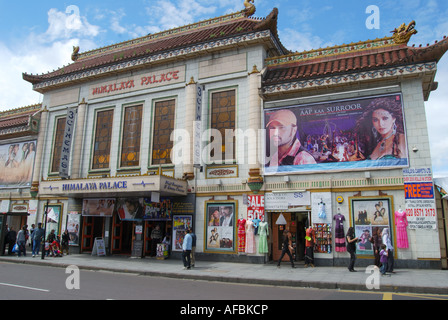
(6, 240)
(310, 239)
(36, 239)
(351, 248)
(193, 247)
(286, 248)
(21, 241)
(33, 228)
(12, 237)
(383, 259)
(64, 242)
(390, 250)
(186, 250)
(377, 242)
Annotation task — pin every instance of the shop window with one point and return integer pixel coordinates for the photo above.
(164, 115)
(57, 147)
(132, 127)
(222, 119)
(103, 134)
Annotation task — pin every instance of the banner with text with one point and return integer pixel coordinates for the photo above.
(352, 134)
(419, 198)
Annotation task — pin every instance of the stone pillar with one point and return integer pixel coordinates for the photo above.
(79, 137)
(190, 114)
(39, 152)
(255, 180)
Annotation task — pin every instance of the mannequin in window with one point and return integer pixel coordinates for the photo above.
(401, 223)
(263, 232)
(250, 237)
(339, 236)
(241, 234)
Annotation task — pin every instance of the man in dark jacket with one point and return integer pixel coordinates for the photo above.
(12, 237)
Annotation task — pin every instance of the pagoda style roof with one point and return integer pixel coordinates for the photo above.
(371, 59)
(20, 122)
(220, 33)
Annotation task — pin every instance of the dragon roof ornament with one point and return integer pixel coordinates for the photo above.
(249, 8)
(403, 33)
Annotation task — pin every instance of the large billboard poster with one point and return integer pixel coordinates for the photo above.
(339, 135)
(16, 164)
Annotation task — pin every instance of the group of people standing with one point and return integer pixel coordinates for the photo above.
(382, 249)
(35, 236)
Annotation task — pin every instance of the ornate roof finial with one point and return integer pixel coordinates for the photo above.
(75, 54)
(249, 8)
(403, 33)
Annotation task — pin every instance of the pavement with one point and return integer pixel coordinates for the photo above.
(420, 281)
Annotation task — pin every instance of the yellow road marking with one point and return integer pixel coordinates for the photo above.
(387, 296)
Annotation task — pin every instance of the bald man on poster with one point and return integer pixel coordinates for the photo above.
(282, 128)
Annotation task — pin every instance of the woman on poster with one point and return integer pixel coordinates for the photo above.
(381, 131)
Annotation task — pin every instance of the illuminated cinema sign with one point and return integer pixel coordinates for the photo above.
(362, 133)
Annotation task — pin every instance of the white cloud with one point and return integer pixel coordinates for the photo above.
(69, 24)
(301, 41)
(41, 53)
(168, 15)
(437, 120)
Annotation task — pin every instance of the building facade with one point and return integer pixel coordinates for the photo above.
(217, 127)
(18, 140)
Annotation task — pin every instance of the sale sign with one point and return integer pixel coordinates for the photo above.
(255, 207)
(419, 198)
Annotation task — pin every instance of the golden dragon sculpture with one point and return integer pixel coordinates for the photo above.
(249, 8)
(403, 33)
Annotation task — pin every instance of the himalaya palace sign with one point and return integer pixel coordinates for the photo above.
(104, 186)
(137, 82)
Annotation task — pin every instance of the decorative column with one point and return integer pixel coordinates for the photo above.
(39, 148)
(190, 113)
(79, 137)
(255, 180)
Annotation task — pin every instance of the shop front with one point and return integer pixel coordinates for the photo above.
(132, 215)
(288, 211)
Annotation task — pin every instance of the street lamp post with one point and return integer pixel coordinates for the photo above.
(45, 231)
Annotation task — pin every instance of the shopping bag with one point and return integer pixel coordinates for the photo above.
(15, 248)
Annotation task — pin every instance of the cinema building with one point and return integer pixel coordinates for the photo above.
(136, 135)
(18, 139)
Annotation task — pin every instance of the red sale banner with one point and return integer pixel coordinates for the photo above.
(255, 207)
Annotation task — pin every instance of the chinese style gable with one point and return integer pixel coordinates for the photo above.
(232, 30)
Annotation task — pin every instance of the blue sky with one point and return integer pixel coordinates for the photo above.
(37, 37)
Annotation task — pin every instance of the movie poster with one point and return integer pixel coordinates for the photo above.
(180, 225)
(220, 226)
(16, 164)
(98, 207)
(339, 135)
(370, 216)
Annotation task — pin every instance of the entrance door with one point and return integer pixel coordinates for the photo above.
(92, 227)
(150, 247)
(121, 236)
(295, 223)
